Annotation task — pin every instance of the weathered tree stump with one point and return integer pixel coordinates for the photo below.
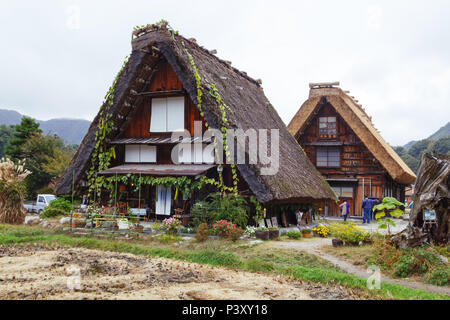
(431, 192)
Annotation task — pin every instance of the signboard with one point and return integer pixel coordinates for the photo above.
(429, 214)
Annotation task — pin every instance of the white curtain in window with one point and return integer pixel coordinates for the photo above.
(164, 201)
(175, 114)
(159, 115)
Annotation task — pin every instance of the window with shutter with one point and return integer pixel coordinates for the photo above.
(140, 154)
(328, 157)
(167, 115)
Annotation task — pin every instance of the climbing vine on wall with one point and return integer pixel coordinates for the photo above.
(102, 153)
(223, 109)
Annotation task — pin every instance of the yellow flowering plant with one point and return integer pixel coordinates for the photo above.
(349, 232)
(322, 231)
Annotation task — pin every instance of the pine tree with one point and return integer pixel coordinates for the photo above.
(27, 128)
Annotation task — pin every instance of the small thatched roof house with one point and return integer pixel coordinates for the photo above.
(162, 64)
(331, 124)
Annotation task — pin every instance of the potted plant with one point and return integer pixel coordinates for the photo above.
(307, 233)
(78, 221)
(262, 233)
(274, 233)
(135, 224)
(337, 243)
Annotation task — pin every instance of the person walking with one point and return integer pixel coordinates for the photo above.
(345, 209)
(367, 209)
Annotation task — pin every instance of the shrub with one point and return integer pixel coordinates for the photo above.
(172, 225)
(439, 276)
(250, 231)
(202, 233)
(61, 204)
(52, 213)
(294, 234)
(349, 233)
(187, 230)
(225, 229)
(235, 234)
(230, 207)
(56, 208)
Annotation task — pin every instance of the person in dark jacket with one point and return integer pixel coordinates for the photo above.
(367, 206)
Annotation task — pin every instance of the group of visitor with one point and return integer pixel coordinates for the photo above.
(367, 206)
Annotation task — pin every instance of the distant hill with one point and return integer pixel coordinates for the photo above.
(9, 117)
(438, 143)
(71, 130)
(441, 133)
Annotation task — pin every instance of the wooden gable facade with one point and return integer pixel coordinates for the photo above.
(164, 84)
(340, 155)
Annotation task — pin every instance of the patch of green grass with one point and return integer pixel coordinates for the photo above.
(387, 291)
(260, 258)
(258, 265)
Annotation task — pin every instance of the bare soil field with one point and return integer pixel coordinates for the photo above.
(34, 272)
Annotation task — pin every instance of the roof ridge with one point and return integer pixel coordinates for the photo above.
(164, 25)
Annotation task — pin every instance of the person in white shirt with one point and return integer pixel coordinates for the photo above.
(344, 210)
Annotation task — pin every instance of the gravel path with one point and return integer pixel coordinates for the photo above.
(313, 246)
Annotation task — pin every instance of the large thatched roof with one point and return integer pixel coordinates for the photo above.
(358, 120)
(297, 178)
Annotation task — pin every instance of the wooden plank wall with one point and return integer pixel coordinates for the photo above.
(356, 161)
(165, 79)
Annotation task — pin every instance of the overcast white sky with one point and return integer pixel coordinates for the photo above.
(394, 56)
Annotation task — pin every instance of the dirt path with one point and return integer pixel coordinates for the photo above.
(313, 246)
(43, 273)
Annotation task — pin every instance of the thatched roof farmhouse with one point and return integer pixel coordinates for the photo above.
(161, 64)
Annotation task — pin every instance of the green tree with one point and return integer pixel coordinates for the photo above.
(6, 133)
(27, 128)
(56, 164)
(40, 152)
(442, 146)
(419, 148)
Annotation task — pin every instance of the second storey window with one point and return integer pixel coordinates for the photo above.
(140, 154)
(167, 115)
(327, 127)
(328, 157)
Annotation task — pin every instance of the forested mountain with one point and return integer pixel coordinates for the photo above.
(71, 131)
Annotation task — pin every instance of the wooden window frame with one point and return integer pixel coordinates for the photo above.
(328, 162)
(335, 137)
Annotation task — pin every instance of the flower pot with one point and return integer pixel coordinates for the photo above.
(263, 235)
(307, 234)
(337, 243)
(274, 234)
(138, 229)
(78, 223)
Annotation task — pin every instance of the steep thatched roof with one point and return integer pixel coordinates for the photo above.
(297, 178)
(358, 120)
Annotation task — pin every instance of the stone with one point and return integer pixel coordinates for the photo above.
(32, 220)
(64, 220)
